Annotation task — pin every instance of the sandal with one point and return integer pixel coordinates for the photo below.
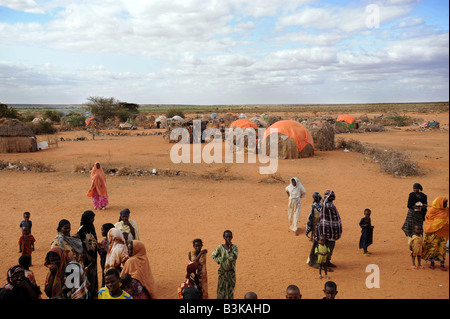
(431, 266)
(443, 268)
(413, 267)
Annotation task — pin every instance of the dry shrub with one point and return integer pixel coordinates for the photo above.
(391, 161)
(273, 179)
(222, 173)
(37, 167)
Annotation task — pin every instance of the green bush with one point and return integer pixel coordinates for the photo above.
(74, 119)
(172, 112)
(42, 127)
(9, 112)
(52, 116)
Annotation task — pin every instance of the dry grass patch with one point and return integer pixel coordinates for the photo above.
(391, 161)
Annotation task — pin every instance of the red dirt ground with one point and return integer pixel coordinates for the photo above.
(172, 211)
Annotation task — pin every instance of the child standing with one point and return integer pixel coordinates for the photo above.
(415, 243)
(26, 242)
(314, 215)
(26, 220)
(322, 251)
(199, 255)
(225, 255)
(25, 262)
(366, 232)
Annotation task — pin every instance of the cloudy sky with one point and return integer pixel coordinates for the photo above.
(224, 51)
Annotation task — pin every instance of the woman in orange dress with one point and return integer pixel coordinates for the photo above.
(436, 228)
(98, 190)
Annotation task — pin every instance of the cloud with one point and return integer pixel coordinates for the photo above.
(29, 6)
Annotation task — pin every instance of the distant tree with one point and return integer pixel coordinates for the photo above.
(9, 112)
(103, 108)
(131, 107)
(172, 112)
(74, 119)
(52, 116)
(108, 108)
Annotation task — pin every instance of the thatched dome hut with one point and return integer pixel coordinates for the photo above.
(323, 135)
(16, 137)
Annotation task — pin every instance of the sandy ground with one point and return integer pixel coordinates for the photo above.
(172, 211)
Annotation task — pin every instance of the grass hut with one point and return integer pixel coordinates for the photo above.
(16, 137)
(323, 135)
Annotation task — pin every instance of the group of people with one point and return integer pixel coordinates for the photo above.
(427, 228)
(126, 273)
(323, 223)
(72, 263)
(325, 226)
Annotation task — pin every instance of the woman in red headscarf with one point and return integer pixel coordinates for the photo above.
(98, 190)
(192, 279)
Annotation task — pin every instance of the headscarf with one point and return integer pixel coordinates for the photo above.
(125, 228)
(330, 225)
(117, 251)
(98, 179)
(9, 291)
(297, 191)
(11, 272)
(436, 219)
(191, 274)
(60, 238)
(191, 278)
(58, 280)
(87, 234)
(80, 290)
(138, 267)
(418, 186)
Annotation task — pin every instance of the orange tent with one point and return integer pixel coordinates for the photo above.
(346, 118)
(88, 120)
(294, 130)
(244, 123)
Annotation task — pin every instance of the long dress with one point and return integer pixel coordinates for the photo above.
(98, 190)
(295, 205)
(88, 237)
(414, 216)
(436, 231)
(227, 271)
(366, 238)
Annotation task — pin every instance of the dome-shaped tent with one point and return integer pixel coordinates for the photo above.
(161, 121)
(294, 140)
(346, 120)
(248, 128)
(244, 123)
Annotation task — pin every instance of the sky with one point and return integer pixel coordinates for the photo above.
(221, 52)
